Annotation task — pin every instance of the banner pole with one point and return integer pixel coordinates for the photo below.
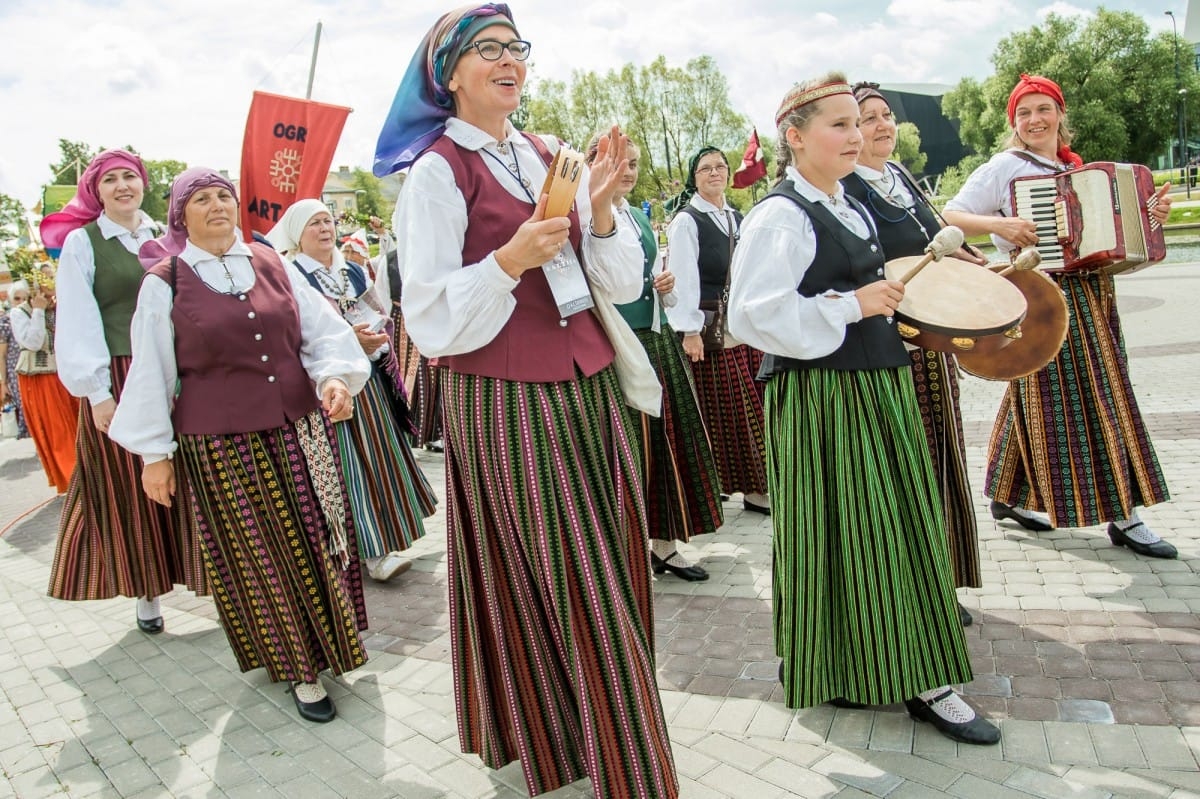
(312, 67)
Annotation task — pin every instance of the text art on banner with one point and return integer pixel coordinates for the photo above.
(286, 153)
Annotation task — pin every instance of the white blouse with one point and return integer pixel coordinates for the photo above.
(335, 288)
(449, 309)
(778, 245)
(683, 259)
(142, 424)
(987, 192)
(79, 345)
(28, 329)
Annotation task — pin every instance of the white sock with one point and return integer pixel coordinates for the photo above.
(666, 550)
(371, 563)
(952, 708)
(309, 691)
(148, 609)
(761, 500)
(1135, 529)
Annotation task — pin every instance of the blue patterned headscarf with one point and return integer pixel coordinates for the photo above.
(423, 103)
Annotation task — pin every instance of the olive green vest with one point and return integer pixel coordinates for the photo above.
(640, 313)
(118, 277)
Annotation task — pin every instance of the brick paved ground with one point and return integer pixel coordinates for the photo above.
(1088, 655)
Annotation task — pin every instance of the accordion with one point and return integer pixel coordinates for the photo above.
(1095, 217)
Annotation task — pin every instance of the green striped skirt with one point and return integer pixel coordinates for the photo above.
(683, 491)
(388, 492)
(863, 597)
(551, 623)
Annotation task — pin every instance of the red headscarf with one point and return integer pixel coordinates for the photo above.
(1037, 84)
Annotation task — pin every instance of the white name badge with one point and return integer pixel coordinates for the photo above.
(567, 283)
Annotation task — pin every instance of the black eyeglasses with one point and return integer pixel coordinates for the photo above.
(492, 50)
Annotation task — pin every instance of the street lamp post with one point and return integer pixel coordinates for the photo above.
(1178, 102)
(1187, 166)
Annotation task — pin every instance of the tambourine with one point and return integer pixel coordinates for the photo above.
(562, 182)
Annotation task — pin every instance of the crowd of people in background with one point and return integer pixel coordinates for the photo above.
(239, 417)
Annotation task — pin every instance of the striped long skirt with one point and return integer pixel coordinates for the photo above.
(388, 493)
(863, 597)
(936, 383)
(112, 539)
(286, 603)
(550, 602)
(731, 401)
(427, 403)
(683, 491)
(407, 356)
(1069, 440)
(51, 415)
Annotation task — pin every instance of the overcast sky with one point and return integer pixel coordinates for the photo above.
(174, 79)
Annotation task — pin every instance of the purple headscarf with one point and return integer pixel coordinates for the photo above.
(175, 239)
(86, 206)
(423, 103)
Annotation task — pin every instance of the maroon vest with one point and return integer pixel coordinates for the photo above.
(536, 345)
(237, 354)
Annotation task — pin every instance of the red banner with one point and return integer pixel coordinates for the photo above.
(286, 154)
(753, 166)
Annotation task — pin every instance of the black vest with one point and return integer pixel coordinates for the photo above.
(899, 233)
(843, 263)
(715, 253)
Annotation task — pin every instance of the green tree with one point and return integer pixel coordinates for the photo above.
(157, 193)
(369, 193)
(908, 147)
(69, 168)
(1118, 80)
(12, 218)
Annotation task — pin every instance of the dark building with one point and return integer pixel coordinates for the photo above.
(921, 104)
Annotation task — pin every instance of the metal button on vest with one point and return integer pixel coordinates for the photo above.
(266, 358)
(879, 271)
(874, 248)
(250, 315)
(889, 320)
(242, 297)
(258, 336)
(271, 379)
(562, 322)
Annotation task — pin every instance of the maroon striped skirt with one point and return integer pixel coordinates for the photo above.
(732, 403)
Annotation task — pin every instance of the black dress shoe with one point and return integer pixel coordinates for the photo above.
(151, 626)
(320, 711)
(693, 574)
(964, 616)
(1002, 511)
(976, 731)
(754, 507)
(1159, 549)
(842, 702)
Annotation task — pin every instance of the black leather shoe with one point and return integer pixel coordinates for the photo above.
(1159, 549)
(1001, 511)
(964, 616)
(841, 702)
(151, 626)
(978, 730)
(319, 711)
(754, 507)
(693, 574)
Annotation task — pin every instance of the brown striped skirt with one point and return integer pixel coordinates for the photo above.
(112, 539)
(863, 598)
(731, 401)
(285, 602)
(1069, 440)
(550, 603)
(936, 384)
(683, 491)
(389, 495)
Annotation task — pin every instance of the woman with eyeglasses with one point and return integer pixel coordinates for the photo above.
(550, 604)
(906, 222)
(700, 244)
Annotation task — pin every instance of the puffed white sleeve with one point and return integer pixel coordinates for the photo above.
(79, 344)
(613, 262)
(683, 260)
(449, 307)
(766, 311)
(29, 331)
(142, 423)
(328, 346)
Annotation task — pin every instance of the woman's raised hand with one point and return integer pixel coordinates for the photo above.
(536, 241)
(607, 171)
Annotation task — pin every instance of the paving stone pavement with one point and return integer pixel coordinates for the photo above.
(1086, 654)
